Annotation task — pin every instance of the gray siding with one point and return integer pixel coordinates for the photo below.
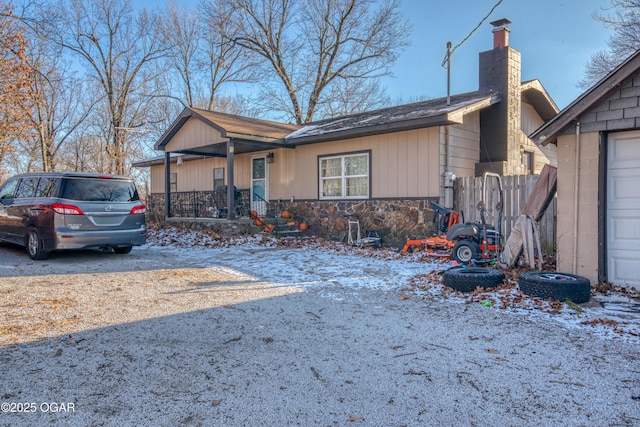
(621, 111)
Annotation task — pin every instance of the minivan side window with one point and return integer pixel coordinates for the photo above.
(7, 190)
(27, 187)
(47, 187)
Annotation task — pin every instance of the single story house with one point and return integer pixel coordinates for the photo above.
(598, 143)
(384, 165)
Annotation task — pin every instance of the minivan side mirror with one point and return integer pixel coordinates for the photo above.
(6, 200)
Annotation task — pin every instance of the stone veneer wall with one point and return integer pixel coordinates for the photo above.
(397, 219)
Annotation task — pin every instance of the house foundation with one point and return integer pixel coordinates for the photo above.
(397, 219)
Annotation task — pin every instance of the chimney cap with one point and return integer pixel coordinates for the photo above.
(501, 22)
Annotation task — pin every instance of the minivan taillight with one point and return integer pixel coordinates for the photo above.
(140, 209)
(61, 208)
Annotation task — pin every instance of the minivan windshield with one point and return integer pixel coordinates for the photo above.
(99, 190)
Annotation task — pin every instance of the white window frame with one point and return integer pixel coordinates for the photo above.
(220, 171)
(173, 182)
(344, 177)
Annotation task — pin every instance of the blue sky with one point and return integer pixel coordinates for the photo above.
(556, 39)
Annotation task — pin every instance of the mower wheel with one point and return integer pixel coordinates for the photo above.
(559, 286)
(468, 279)
(466, 250)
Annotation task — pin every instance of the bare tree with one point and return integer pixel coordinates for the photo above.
(83, 152)
(201, 57)
(353, 96)
(224, 61)
(312, 44)
(117, 47)
(624, 20)
(58, 106)
(180, 26)
(14, 81)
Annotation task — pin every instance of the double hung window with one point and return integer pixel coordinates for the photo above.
(344, 176)
(173, 182)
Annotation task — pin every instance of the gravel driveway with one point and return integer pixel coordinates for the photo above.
(252, 336)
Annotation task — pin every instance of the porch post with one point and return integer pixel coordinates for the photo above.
(167, 184)
(231, 194)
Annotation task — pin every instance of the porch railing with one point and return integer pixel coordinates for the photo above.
(196, 204)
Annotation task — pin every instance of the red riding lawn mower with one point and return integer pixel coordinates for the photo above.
(464, 242)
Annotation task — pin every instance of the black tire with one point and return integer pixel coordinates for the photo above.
(468, 279)
(558, 286)
(466, 250)
(34, 245)
(123, 250)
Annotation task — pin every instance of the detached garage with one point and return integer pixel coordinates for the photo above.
(598, 141)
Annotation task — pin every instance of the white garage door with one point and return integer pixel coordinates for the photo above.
(623, 209)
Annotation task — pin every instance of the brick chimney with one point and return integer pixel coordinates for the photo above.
(500, 127)
(500, 33)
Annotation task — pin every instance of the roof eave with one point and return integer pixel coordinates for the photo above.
(540, 99)
(255, 138)
(185, 115)
(441, 119)
(548, 133)
(173, 157)
(444, 118)
(457, 116)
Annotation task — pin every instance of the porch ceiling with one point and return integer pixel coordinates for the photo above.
(240, 147)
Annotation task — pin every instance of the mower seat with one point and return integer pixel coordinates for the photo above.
(458, 230)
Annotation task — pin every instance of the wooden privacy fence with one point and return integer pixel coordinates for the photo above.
(468, 192)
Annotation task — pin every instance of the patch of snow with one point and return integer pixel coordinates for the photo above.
(321, 263)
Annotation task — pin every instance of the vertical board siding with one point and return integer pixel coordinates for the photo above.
(516, 189)
(401, 163)
(194, 130)
(529, 119)
(198, 174)
(295, 172)
(462, 154)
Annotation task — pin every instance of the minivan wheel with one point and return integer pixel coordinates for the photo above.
(34, 245)
(122, 249)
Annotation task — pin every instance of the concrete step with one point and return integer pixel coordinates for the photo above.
(280, 227)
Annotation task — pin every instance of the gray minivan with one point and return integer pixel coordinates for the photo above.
(72, 210)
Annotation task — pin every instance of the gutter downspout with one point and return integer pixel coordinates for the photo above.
(449, 177)
(576, 201)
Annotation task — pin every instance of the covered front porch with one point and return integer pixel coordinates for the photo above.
(197, 210)
(232, 187)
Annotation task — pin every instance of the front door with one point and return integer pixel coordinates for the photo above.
(259, 190)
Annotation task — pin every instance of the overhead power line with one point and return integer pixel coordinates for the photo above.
(447, 55)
